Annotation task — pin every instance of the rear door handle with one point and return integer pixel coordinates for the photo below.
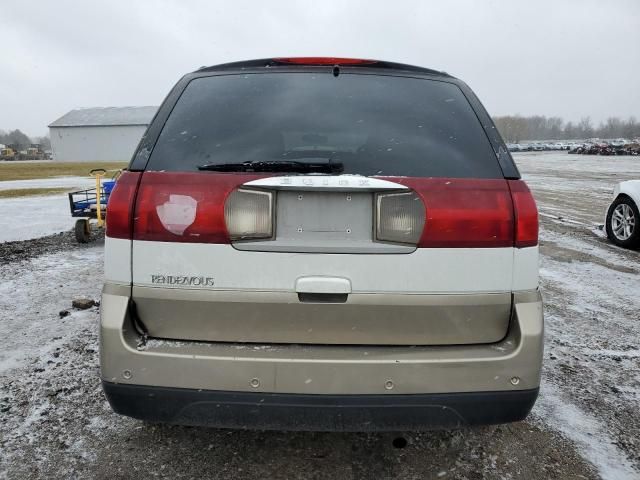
(323, 297)
(322, 284)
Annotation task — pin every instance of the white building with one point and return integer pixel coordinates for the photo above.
(99, 134)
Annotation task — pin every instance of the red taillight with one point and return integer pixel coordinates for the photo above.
(120, 205)
(526, 214)
(464, 213)
(324, 61)
(190, 207)
(184, 207)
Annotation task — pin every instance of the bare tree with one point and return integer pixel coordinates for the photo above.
(585, 130)
(631, 128)
(16, 138)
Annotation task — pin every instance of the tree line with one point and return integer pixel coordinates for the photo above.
(515, 128)
(22, 140)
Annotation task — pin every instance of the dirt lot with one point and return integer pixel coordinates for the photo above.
(54, 421)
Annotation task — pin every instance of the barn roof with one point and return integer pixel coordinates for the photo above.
(106, 116)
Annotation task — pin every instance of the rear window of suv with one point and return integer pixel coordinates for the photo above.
(372, 124)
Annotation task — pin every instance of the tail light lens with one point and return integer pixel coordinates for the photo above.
(464, 213)
(248, 214)
(526, 214)
(120, 206)
(184, 206)
(399, 217)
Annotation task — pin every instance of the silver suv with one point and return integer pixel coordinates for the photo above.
(321, 244)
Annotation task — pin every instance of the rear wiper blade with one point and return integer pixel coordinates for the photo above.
(276, 166)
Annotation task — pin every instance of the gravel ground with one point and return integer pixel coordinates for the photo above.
(18, 251)
(54, 421)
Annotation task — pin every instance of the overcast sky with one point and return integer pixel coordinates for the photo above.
(568, 58)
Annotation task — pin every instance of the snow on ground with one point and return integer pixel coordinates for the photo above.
(559, 165)
(562, 183)
(592, 369)
(71, 183)
(39, 289)
(22, 218)
(591, 376)
(554, 409)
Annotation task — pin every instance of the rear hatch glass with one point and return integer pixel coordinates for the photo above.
(371, 124)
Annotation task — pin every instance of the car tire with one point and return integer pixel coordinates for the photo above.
(623, 223)
(83, 234)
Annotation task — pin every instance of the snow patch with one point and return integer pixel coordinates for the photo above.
(24, 218)
(38, 289)
(53, 182)
(555, 410)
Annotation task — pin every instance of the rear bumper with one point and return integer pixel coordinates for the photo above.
(393, 382)
(269, 411)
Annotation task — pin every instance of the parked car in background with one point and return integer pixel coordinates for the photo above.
(270, 263)
(516, 147)
(622, 220)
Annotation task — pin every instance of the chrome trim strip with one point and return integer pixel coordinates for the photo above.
(325, 182)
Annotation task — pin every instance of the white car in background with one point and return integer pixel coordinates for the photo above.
(622, 219)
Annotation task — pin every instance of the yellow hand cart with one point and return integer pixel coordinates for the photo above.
(91, 204)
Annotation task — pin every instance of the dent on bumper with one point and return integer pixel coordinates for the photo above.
(510, 365)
